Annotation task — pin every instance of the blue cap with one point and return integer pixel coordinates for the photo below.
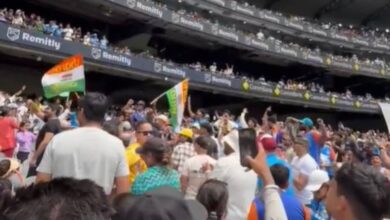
(376, 152)
(307, 122)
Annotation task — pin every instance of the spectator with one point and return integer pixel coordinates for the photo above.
(136, 164)
(139, 114)
(25, 140)
(197, 168)
(69, 153)
(216, 150)
(60, 199)
(241, 183)
(214, 195)
(68, 33)
(302, 166)
(103, 42)
(45, 135)
(294, 208)
(10, 170)
(7, 132)
(156, 154)
(318, 184)
(18, 18)
(213, 68)
(272, 159)
(87, 39)
(376, 162)
(58, 32)
(358, 192)
(40, 24)
(184, 150)
(94, 40)
(164, 203)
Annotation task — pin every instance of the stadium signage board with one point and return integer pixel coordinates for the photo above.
(244, 40)
(149, 67)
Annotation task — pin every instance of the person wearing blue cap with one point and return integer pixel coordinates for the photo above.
(315, 138)
(376, 162)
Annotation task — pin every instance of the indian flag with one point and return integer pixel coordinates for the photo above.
(177, 97)
(67, 76)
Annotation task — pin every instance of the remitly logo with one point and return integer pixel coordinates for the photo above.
(150, 9)
(15, 34)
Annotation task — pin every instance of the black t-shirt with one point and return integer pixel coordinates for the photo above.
(51, 126)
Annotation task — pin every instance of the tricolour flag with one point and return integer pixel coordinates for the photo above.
(177, 97)
(67, 76)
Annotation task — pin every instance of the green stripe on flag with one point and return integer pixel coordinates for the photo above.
(69, 86)
(172, 101)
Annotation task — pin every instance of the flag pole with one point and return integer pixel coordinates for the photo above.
(157, 98)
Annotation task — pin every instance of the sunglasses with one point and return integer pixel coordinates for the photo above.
(145, 133)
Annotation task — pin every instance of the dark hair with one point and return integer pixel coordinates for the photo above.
(55, 108)
(226, 111)
(94, 106)
(208, 144)
(202, 111)
(159, 150)
(366, 189)
(280, 173)
(213, 194)
(273, 118)
(111, 127)
(121, 204)
(254, 120)
(60, 199)
(4, 166)
(5, 195)
(207, 127)
(140, 123)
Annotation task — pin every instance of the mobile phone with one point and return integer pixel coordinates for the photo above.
(248, 145)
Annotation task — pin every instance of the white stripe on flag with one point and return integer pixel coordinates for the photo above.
(76, 74)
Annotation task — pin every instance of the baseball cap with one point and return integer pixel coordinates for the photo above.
(166, 203)
(153, 144)
(186, 132)
(268, 142)
(316, 179)
(307, 122)
(12, 106)
(232, 140)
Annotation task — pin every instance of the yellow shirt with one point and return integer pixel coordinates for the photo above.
(135, 162)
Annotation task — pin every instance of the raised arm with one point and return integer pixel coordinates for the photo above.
(189, 107)
(242, 118)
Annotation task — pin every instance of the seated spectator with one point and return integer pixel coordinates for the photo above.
(60, 199)
(213, 194)
(18, 19)
(156, 154)
(295, 210)
(164, 203)
(58, 31)
(40, 24)
(87, 39)
(94, 40)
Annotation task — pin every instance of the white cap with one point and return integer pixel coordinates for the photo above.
(316, 179)
(163, 118)
(232, 140)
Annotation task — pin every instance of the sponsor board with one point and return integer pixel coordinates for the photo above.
(149, 9)
(288, 51)
(221, 81)
(15, 34)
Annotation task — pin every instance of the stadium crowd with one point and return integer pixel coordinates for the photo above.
(90, 161)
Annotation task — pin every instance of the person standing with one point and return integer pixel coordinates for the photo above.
(45, 135)
(294, 208)
(136, 164)
(302, 166)
(25, 139)
(184, 150)
(197, 168)
(156, 154)
(87, 152)
(241, 183)
(7, 133)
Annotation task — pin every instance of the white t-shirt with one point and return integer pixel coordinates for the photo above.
(241, 185)
(196, 177)
(303, 166)
(86, 153)
(68, 33)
